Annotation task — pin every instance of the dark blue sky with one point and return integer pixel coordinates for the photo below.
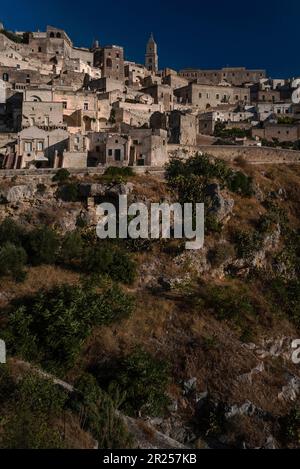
(204, 34)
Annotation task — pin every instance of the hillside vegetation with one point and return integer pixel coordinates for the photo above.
(196, 344)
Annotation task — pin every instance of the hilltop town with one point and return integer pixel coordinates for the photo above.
(143, 343)
(63, 106)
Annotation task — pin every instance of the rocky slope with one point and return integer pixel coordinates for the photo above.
(219, 316)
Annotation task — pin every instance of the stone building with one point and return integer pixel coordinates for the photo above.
(45, 115)
(16, 76)
(278, 132)
(135, 147)
(134, 114)
(265, 110)
(151, 57)
(80, 109)
(267, 96)
(208, 120)
(209, 96)
(174, 81)
(181, 126)
(135, 74)
(110, 60)
(75, 156)
(161, 94)
(39, 148)
(236, 76)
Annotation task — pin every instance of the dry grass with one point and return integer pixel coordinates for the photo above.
(38, 278)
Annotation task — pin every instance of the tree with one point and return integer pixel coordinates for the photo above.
(142, 379)
(62, 175)
(71, 248)
(109, 260)
(42, 246)
(12, 232)
(51, 327)
(12, 261)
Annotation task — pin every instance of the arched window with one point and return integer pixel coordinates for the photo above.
(109, 63)
(52, 34)
(5, 77)
(58, 35)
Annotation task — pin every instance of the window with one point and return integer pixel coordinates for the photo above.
(200, 95)
(40, 146)
(58, 35)
(217, 96)
(5, 77)
(39, 49)
(86, 106)
(109, 63)
(110, 152)
(64, 104)
(97, 149)
(51, 34)
(28, 147)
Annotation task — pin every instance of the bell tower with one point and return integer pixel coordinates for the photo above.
(151, 58)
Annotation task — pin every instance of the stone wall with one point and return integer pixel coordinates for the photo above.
(254, 155)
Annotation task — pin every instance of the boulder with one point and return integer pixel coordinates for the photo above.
(218, 205)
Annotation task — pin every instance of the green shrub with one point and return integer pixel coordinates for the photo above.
(143, 380)
(240, 183)
(72, 246)
(7, 385)
(212, 421)
(203, 169)
(247, 243)
(11, 232)
(12, 261)
(62, 175)
(12, 36)
(51, 327)
(115, 171)
(109, 260)
(42, 245)
(41, 188)
(229, 303)
(98, 413)
(39, 404)
(212, 224)
(285, 296)
(290, 427)
(69, 192)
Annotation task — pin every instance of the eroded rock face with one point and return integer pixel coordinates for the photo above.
(291, 391)
(100, 190)
(220, 206)
(19, 193)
